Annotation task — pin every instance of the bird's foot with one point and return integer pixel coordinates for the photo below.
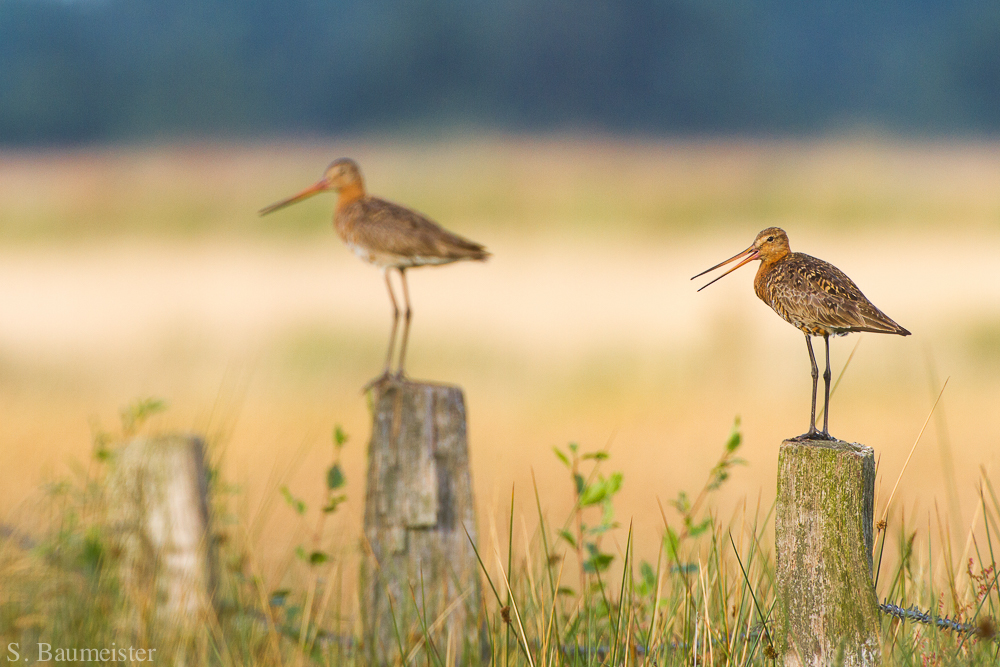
(381, 382)
(813, 434)
(386, 380)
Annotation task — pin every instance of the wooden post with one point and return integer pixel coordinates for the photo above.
(419, 570)
(827, 611)
(158, 511)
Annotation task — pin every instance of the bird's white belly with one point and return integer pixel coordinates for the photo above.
(421, 260)
(385, 259)
(364, 253)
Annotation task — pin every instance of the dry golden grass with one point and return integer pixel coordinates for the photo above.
(128, 273)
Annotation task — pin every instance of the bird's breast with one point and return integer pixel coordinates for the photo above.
(764, 286)
(779, 286)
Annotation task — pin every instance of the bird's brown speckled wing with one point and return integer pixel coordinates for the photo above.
(387, 229)
(815, 295)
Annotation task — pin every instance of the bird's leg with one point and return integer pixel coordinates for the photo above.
(815, 377)
(826, 381)
(392, 334)
(406, 324)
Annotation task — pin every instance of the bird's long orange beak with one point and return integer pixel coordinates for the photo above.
(314, 189)
(750, 253)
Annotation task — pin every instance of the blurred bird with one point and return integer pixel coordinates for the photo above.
(387, 235)
(814, 296)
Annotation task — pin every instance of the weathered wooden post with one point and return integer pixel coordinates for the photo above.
(158, 512)
(827, 611)
(419, 573)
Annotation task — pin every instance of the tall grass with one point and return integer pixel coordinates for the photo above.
(569, 591)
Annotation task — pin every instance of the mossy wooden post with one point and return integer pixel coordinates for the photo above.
(416, 554)
(159, 517)
(827, 611)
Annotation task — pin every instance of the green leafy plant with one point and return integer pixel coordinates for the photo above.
(136, 413)
(595, 491)
(694, 520)
(335, 481)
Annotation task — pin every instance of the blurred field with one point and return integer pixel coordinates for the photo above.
(135, 272)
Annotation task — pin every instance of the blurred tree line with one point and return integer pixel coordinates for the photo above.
(106, 70)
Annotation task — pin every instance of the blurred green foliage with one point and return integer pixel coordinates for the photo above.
(103, 70)
(522, 187)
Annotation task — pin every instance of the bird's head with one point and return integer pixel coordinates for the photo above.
(770, 245)
(342, 174)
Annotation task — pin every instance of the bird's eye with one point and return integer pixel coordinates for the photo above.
(770, 238)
